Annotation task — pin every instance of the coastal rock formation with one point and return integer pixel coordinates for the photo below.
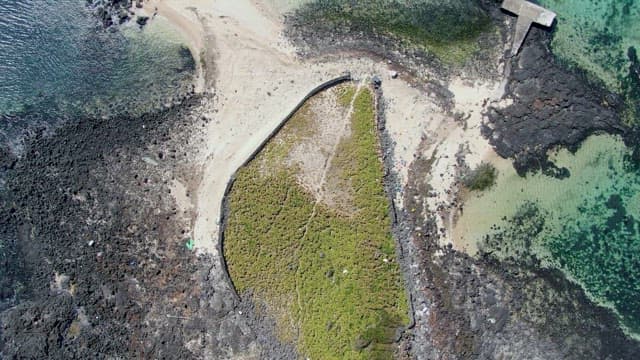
(422, 37)
(482, 308)
(93, 257)
(110, 12)
(551, 106)
(98, 218)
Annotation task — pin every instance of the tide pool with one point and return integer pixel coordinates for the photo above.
(587, 225)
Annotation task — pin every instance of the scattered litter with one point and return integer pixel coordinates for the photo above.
(190, 244)
(149, 161)
(90, 243)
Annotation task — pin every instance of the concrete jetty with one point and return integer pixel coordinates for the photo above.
(528, 13)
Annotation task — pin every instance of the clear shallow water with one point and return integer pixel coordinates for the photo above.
(594, 35)
(55, 61)
(587, 225)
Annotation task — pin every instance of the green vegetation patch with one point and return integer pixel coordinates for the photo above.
(447, 29)
(481, 178)
(331, 281)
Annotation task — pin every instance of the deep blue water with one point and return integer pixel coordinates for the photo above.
(56, 62)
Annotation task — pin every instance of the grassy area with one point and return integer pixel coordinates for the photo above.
(447, 29)
(330, 281)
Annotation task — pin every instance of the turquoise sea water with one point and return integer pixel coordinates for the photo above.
(589, 224)
(597, 36)
(55, 61)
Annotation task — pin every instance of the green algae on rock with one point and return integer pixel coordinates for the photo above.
(446, 29)
(315, 248)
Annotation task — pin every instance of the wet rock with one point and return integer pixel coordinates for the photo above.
(109, 11)
(552, 106)
(142, 20)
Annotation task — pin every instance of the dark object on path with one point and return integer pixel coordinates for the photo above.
(142, 21)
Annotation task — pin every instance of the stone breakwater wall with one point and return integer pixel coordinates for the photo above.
(224, 206)
(405, 251)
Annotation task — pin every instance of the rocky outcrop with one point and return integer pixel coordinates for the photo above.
(483, 308)
(93, 256)
(111, 12)
(551, 106)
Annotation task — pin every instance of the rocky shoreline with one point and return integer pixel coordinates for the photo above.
(550, 107)
(116, 12)
(94, 262)
(316, 38)
(484, 308)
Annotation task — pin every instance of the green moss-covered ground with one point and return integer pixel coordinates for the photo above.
(447, 29)
(331, 281)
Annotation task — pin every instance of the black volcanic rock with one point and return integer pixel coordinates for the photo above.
(142, 20)
(110, 12)
(552, 106)
(93, 263)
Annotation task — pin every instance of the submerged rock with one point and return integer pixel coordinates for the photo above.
(142, 20)
(110, 12)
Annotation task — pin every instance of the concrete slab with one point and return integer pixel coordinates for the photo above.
(528, 13)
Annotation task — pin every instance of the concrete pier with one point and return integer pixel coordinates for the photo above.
(528, 13)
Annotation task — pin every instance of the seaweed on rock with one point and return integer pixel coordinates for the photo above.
(446, 29)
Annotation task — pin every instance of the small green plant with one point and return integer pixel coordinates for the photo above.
(481, 178)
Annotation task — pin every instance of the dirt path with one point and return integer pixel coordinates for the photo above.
(325, 171)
